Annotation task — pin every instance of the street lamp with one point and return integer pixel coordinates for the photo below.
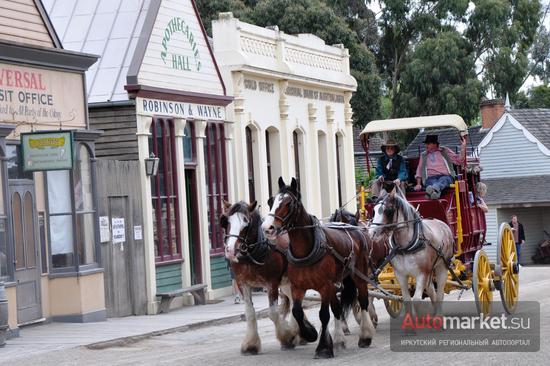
(151, 165)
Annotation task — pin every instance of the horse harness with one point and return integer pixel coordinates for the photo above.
(417, 242)
(258, 251)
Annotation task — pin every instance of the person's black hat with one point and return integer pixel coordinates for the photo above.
(431, 139)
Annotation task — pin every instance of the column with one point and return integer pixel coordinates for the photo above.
(348, 175)
(143, 127)
(202, 191)
(311, 170)
(238, 164)
(285, 135)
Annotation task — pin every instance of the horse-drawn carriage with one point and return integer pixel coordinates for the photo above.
(458, 208)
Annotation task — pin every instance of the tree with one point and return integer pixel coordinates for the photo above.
(403, 24)
(440, 78)
(502, 33)
(537, 97)
(209, 10)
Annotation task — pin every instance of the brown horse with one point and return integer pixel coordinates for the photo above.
(321, 258)
(258, 263)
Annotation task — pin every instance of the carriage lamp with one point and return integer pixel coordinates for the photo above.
(151, 165)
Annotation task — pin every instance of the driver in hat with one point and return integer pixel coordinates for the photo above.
(390, 167)
(435, 168)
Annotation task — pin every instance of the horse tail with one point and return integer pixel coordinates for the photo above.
(348, 295)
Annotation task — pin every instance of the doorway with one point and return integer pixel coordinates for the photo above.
(193, 228)
(27, 254)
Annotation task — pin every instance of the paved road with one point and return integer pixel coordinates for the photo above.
(219, 345)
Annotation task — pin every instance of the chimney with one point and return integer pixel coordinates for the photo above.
(491, 111)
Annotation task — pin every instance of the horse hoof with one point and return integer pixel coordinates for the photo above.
(285, 346)
(324, 353)
(301, 341)
(364, 342)
(310, 334)
(250, 351)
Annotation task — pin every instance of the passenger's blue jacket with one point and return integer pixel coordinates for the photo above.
(398, 168)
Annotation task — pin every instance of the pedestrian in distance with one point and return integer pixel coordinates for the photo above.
(519, 234)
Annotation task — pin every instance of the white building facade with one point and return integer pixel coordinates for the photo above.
(291, 112)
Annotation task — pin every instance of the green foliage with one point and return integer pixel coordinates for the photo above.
(364, 178)
(538, 97)
(440, 78)
(209, 10)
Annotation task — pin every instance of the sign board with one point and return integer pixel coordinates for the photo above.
(156, 107)
(34, 95)
(104, 232)
(49, 150)
(119, 231)
(138, 235)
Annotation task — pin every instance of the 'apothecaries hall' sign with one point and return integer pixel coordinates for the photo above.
(40, 96)
(156, 107)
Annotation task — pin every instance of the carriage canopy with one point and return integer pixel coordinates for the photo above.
(441, 121)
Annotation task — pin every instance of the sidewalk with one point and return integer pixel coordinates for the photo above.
(50, 337)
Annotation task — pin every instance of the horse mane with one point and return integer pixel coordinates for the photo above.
(288, 189)
(408, 210)
(242, 207)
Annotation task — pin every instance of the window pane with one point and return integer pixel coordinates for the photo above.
(2, 209)
(30, 242)
(83, 181)
(18, 231)
(15, 163)
(61, 236)
(59, 198)
(188, 144)
(86, 238)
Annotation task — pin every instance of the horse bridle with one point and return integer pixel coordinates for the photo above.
(245, 248)
(292, 212)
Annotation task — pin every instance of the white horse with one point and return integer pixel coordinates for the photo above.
(420, 248)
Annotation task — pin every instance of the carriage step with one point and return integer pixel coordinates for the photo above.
(198, 291)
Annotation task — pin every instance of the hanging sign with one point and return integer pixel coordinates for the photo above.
(47, 150)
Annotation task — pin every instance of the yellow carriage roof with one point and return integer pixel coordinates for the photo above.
(441, 121)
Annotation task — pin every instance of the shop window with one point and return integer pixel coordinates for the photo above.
(164, 192)
(15, 163)
(72, 214)
(268, 155)
(189, 146)
(216, 180)
(339, 155)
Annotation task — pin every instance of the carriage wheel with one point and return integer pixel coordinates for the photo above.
(393, 307)
(483, 283)
(508, 261)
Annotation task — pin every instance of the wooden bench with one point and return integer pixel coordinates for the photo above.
(198, 292)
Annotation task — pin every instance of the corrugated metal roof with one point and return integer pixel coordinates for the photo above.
(109, 28)
(518, 190)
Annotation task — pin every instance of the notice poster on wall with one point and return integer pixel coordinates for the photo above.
(138, 233)
(104, 232)
(119, 231)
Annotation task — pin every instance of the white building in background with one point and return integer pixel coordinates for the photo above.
(291, 111)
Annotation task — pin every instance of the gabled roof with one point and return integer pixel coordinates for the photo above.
(516, 190)
(118, 31)
(107, 28)
(534, 123)
(449, 137)
(537, 121)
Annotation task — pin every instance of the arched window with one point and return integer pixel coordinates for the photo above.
(250, 164)
(296, 143)
(339, 165)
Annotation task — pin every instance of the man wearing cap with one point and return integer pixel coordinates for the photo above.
(390, 167)
(435, 168)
